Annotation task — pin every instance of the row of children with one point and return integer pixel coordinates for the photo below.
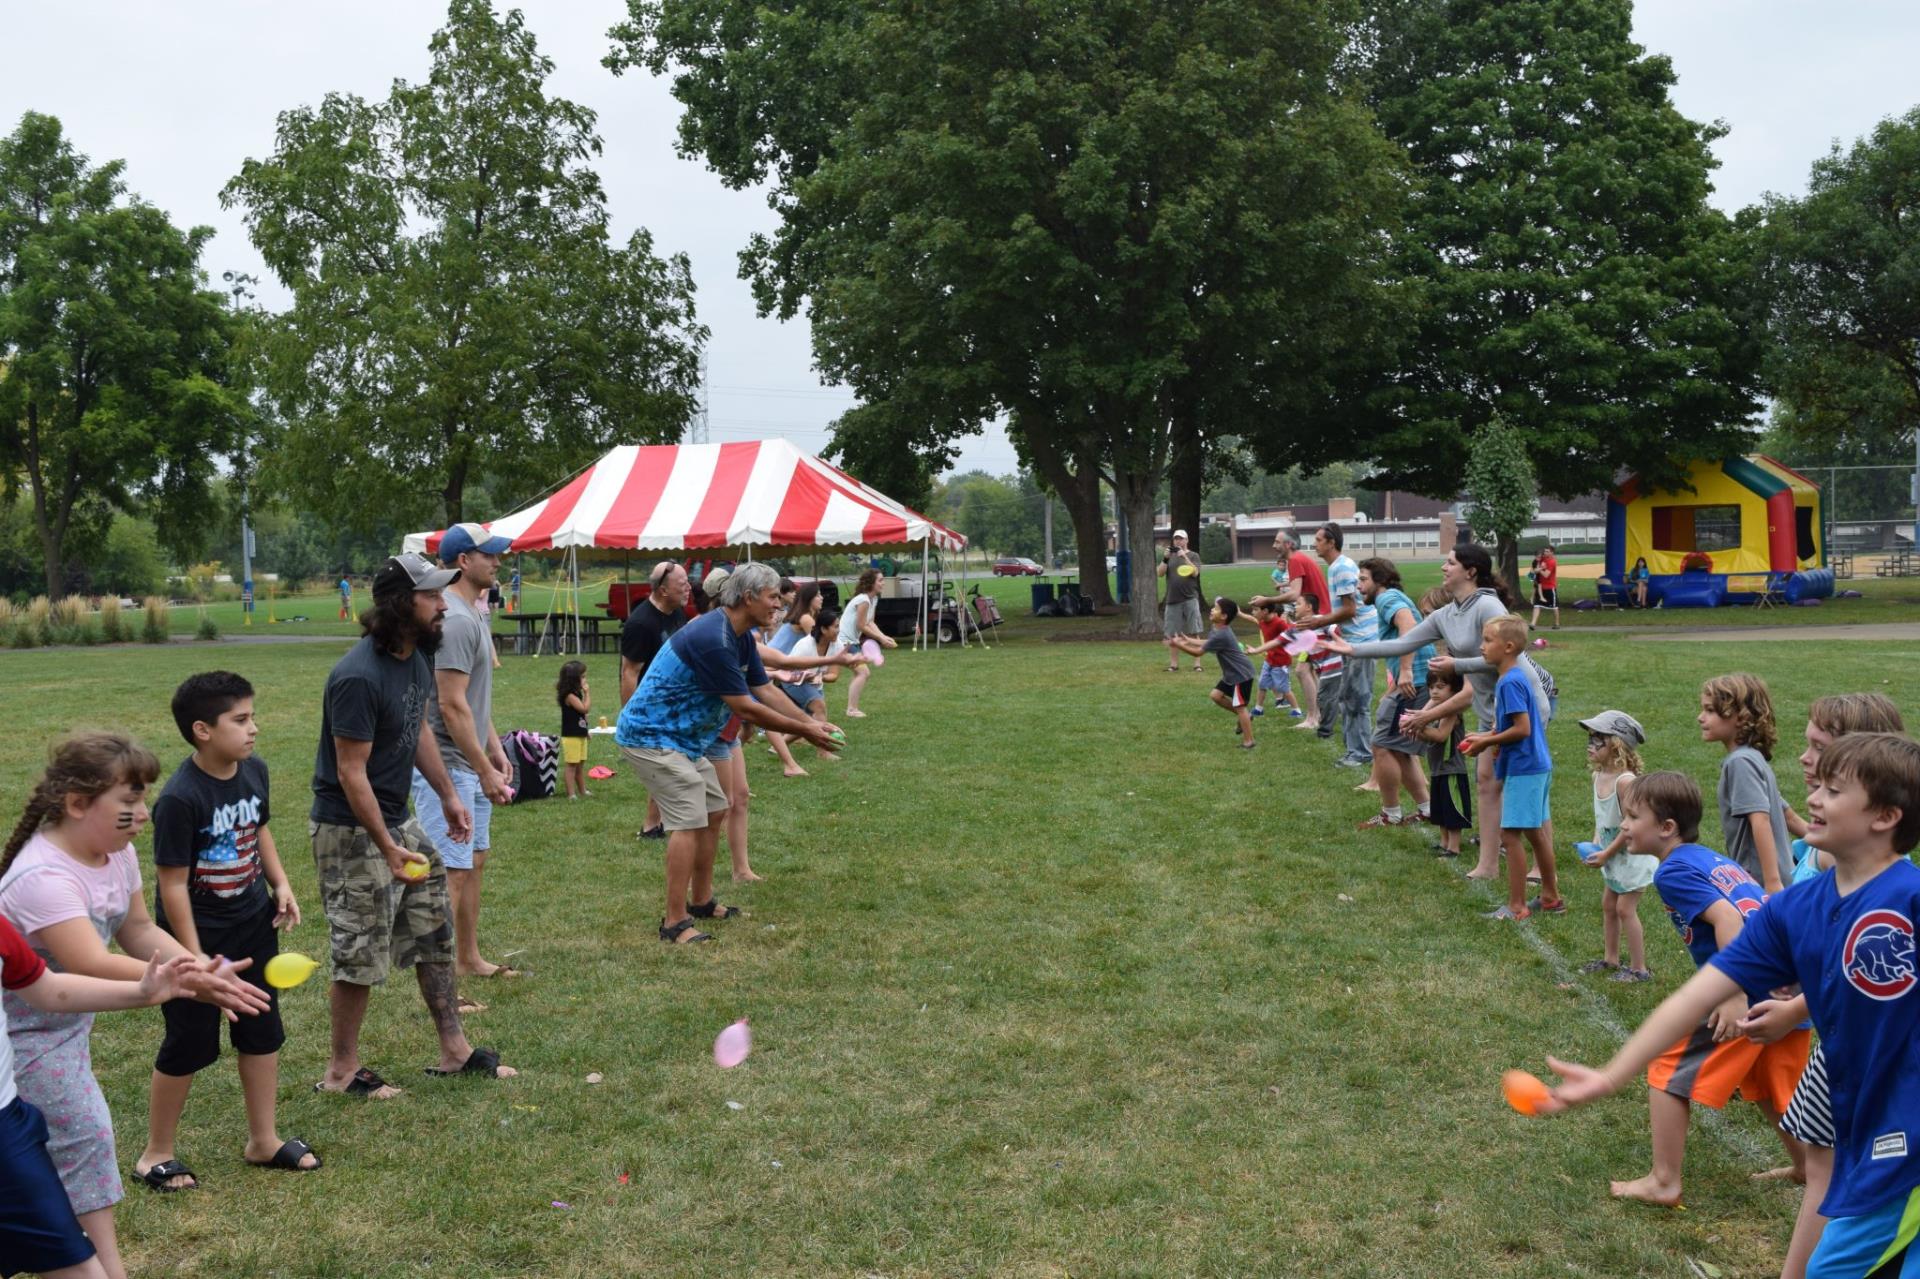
(1835, 945)
(70, 883)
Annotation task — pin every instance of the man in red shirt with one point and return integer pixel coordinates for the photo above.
(1306, 584)
(1546, 586)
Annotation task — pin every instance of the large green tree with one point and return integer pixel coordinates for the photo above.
(1571, 275)
(1842, 270)
(459, 306)
(1127, 227)
(113, 353)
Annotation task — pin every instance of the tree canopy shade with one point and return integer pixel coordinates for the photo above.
(458, 303)
(1125, 226)
(1571, 275)
(1842, 270)
(112, 353)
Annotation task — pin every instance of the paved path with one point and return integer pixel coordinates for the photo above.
(1909, 631)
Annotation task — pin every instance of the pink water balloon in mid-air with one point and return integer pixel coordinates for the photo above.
(732, 1045)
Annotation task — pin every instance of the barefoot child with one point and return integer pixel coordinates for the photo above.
(1737, 712)
(1708, 898)
(1523, 768)
(70, 881)
(1612, 737)
(39, 1232)
(1847, 939)
(1452, 793)
(1235, 688)
(222, 892)
(575, 701)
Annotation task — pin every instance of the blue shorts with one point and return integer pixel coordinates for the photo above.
(1275, 678)
(722, 750)
(1879, 1243)
(38, 1231)
(1523, 801)
(433, 820)
(802, 695)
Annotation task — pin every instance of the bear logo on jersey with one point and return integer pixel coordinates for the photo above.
(1878, 957)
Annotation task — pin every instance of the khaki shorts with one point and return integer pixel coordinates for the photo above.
(376, 922)
(685, 789)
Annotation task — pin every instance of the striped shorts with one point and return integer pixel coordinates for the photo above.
(1809, 1116)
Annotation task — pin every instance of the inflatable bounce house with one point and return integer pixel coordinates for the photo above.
(1749, 530)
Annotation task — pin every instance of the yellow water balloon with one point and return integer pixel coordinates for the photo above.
(1187, 570)
(289, 969)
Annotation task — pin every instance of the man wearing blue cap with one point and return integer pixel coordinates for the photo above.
(461, 716)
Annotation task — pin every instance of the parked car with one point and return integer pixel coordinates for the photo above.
(1016, 566)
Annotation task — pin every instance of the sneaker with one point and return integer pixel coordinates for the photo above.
(1380, 821)
(1296, 713)
(654, 832)
(1258, 711)
(1348, 761)
(1633, 974)
(1507, 912)
(1599, 966)
(1558, 906)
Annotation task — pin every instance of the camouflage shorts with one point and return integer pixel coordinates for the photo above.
(376, 922)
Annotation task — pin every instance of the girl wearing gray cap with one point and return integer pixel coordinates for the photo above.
(1612, 739)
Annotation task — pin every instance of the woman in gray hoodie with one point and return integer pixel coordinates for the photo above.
(1478, 597)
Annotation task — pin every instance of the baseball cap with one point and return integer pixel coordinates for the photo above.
(1617, 724)
(1179, 532)
(404, 574)
(714, 580)
(461, 538)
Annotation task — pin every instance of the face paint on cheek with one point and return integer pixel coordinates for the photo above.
(124, 822)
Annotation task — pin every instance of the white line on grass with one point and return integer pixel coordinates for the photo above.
(1600, 1013)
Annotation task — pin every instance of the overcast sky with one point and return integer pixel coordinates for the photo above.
(185, 91)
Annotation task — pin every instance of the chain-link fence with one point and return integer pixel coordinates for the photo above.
(1869, 518)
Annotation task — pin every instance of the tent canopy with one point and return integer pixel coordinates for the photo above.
(668, 497)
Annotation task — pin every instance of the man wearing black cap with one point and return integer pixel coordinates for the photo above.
(382, 883)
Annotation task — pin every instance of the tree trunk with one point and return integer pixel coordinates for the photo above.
(1136, 494)
(50, 548)
(1076, 481)
(1185, 474)
(45, 527)
(1506, 559)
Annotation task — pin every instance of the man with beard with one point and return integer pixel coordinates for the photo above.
(460, 712)
(383, 886)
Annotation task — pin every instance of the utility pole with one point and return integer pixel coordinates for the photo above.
(239, 285)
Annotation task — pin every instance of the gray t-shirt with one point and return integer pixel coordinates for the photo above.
(465, 646)
(371, 697)
(1234, 666)
(1747, 785)
(1459, 625)
(1181, 589)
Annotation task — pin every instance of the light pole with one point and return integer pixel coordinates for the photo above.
(238, 283)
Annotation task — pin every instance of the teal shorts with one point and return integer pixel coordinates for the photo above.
(1523, 800)
(1878, 1243)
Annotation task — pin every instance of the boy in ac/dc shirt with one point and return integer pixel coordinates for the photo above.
(222, 892)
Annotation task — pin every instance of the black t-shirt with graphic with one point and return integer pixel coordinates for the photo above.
(212, 827)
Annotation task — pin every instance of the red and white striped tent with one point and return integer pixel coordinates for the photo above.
(669, 497)
(689, 497)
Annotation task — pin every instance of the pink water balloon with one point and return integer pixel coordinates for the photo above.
(732, 1045)
(871, 651)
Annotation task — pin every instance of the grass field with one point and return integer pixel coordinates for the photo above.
(1046, 980)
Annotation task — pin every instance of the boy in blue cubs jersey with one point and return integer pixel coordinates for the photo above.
(1847, 937)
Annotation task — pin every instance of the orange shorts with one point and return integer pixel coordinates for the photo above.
(1702, 1071)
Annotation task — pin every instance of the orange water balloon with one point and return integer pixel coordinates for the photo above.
(1523, 1092)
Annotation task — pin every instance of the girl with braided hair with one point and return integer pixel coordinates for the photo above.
(70, 882)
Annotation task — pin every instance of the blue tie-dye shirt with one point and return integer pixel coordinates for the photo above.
(677, 706)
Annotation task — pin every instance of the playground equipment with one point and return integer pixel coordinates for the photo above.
(1749, 532)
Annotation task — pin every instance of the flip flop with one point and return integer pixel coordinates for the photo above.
(482, 1061)
(166, 1170)
(363, 1084)
(288, 1157)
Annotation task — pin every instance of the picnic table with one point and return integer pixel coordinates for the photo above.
(1898, 564)
(557, 630)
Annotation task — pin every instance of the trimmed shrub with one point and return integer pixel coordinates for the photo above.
(208, 629)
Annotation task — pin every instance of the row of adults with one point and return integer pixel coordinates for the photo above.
(1377, 621)
(407, 714)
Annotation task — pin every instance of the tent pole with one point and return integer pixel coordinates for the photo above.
(920, 636)
(961, 599)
